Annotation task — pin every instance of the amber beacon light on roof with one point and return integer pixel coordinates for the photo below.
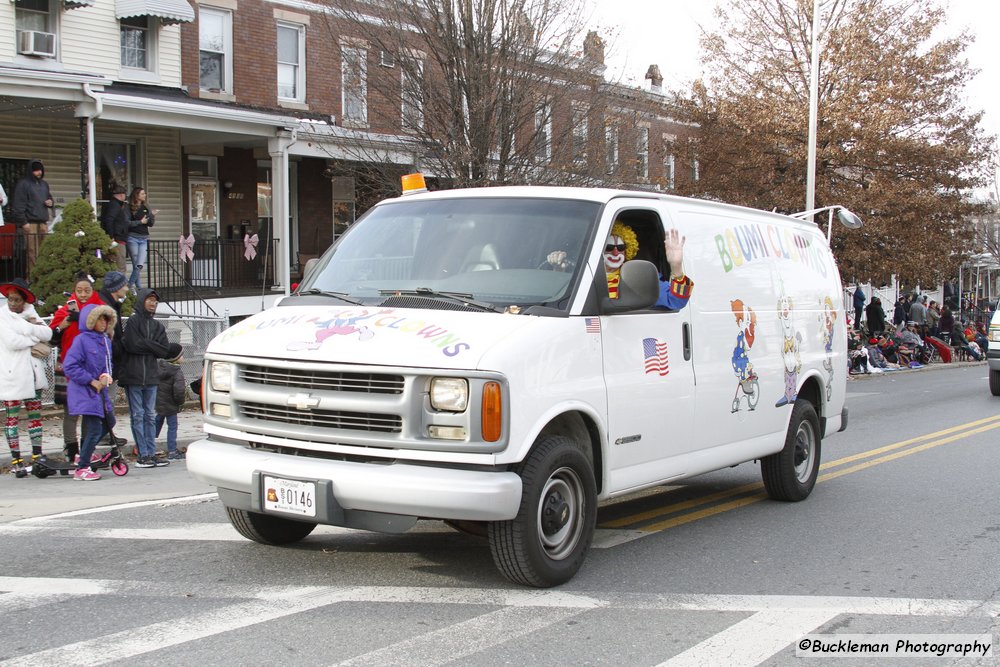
(413, 183)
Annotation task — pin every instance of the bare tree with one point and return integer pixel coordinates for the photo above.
(479, 92)
(896, 143)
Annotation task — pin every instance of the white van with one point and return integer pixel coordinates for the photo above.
(993, 353)
(433, 365)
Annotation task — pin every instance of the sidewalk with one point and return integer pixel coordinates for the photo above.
(33, 497)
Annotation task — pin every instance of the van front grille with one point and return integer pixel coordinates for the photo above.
(369, 383)
(339, 419)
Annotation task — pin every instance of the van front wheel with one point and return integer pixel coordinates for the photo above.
(266, 528)
(791, 473)
(995, 382)
(546, 543)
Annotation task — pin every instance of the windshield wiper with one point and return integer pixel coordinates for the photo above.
(457, 297)
(343, 296)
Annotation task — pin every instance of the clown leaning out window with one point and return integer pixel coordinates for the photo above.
(623, 245)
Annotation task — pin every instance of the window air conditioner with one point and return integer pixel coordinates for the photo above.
(386, 59)
(34, 43)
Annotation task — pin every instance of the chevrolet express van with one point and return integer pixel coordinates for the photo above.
(437, 363)
(993, 353)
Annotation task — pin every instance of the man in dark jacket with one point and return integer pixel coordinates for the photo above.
(144, 342)
(30, 207)
(859, 305)
(115, 221)
(876, 316)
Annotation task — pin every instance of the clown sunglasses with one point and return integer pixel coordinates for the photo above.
(620, 247)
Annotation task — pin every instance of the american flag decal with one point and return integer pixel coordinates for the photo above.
(593, 324)
(654, 351)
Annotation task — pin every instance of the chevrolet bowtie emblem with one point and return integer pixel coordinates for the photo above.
(303, 401)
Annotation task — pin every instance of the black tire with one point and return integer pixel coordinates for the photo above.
(790, 475)
(995, 382)
(547, 542)
(268, 529)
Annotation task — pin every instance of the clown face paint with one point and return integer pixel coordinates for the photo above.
(614, 253)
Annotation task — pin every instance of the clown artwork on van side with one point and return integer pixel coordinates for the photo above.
(829, 319)
(747, 385)
(790, 355)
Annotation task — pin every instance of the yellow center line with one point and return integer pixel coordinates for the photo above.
(747, 488)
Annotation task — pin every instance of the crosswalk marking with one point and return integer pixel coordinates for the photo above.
(461, 640)
(752, 640)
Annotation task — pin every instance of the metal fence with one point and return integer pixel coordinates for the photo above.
(193, 333)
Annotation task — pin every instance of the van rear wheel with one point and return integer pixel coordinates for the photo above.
(266, 528)
(791, 473)
(995, 382)
(546, 543)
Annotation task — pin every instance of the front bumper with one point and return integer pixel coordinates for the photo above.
(401, 489)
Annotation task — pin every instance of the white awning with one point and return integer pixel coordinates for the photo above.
(73, 4)
(168, 11)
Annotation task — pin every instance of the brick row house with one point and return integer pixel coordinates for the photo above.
(244, 117)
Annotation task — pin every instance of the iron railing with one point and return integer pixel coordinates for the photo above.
(219, 268)
(13, 252)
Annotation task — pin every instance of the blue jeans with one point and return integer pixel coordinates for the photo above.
(142, 410)
(171, 430)
(94, 429)
(136, 246)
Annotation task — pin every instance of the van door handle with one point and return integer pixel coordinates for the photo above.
(686, 329)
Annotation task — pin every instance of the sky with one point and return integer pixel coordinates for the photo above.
(666, 32)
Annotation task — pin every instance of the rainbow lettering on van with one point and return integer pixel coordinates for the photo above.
(744, 244)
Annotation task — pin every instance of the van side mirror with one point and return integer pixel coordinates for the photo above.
(638, 288)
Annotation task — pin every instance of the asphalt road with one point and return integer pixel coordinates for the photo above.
(900, 536)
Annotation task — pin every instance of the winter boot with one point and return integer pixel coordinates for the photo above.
(72, 450)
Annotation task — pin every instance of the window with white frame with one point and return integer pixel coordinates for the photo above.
(642, 153)
(669, 162)
(138, 38)
(411, 86)
(354, 84)
(32, 16)
(543, 133)
(291, 60)
(611, 144)
(215, 30)
(580, 134)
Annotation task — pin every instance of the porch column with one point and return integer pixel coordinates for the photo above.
(280, 205)
(90, 112)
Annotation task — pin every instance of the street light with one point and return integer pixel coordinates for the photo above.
(813, 112)
(847, 219)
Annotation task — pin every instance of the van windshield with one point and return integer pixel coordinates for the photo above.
(492, 250)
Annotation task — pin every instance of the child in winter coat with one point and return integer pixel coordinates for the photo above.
(87, 366)
(170, 396)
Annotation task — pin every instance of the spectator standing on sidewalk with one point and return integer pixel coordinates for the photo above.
(946, 324)
(21, 379)
(859, 305)
(933, 318)
(899, 313)
(170, 397)
(144, 342)
(88, 367)
(876, 317)
(918, 311)
(140, 220)
(31, 208)
(65, 327)
(113, 292)
(115, 222)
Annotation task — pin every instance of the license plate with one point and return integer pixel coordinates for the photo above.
(289, 496)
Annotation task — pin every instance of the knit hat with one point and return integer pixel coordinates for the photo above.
(114, 281)
(174, 351)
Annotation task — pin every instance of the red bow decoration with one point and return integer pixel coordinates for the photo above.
(250, 246)
(185, 248)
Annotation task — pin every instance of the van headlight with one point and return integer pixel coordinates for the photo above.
(222, 376)
(449, 394)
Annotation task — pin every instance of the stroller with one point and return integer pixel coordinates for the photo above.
(113, 458)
